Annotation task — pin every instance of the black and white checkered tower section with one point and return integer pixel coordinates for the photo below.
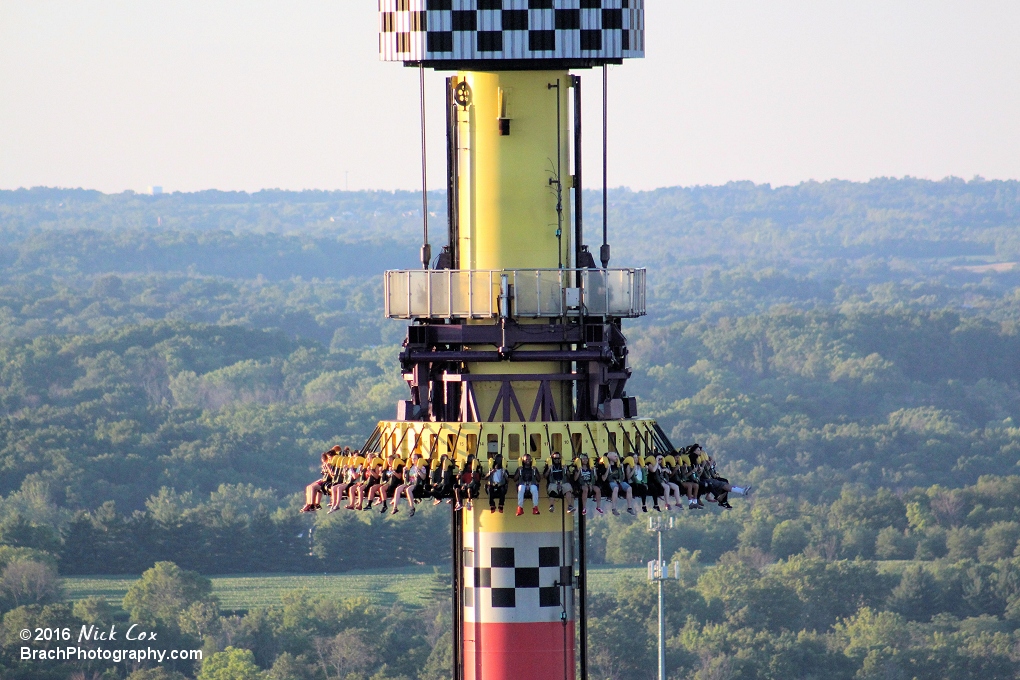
(582, 31)
(513, 577)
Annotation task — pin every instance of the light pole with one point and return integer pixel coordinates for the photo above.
(658, 571)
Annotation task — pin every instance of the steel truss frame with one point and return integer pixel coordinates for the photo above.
(594, 355)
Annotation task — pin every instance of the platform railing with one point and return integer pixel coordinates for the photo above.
(536, 293)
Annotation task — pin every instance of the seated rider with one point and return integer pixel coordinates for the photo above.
(558, 482)
(393, 477)
(357, 472)
(657, 485)
(441, 484)
(467, 483)
(688, 477)
(414, 477)
(615, 477)
(713, 483)
(637, 476)
(315, 491)
(366, 489)
(586, 477)
(496, 483)
(527, 482)
(352, 462)
(673, 469)
(602, 477)
(338, 463)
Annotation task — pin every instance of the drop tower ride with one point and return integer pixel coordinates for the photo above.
(515, 344)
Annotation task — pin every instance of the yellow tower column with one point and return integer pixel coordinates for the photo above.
(514, 184)
(508, 182)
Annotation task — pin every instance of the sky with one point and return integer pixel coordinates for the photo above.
(210, 94)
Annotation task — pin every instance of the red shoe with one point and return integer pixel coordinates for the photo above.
(492, 510)
(501, 509)
(535, 511)
(520, 511)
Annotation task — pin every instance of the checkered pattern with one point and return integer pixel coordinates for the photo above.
(492, 30)
(511, 577)
(504, 578)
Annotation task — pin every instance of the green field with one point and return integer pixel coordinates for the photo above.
(383, 587)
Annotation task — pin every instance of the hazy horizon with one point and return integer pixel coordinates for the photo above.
(117, 95)
(168, 191)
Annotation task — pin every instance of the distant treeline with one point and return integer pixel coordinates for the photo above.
(234, 542)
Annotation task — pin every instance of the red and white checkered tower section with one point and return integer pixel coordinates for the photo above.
(518, 596)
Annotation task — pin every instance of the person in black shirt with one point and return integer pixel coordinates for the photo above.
(527, 481)
(496, 483)
(466, 485)
(587, 479)
(442, 480)
(557, 479)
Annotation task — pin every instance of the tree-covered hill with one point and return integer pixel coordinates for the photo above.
(171, 365)
(813, 336)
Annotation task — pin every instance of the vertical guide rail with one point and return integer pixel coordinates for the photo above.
(662, 616)
(578, 197)
(452, 160)
(566, 585)
(457, 578)
(559, 172)
(582, 592)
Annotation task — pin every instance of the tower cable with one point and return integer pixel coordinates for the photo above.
(604, 254)
(426, 249)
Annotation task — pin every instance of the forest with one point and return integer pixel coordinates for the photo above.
(172, 365)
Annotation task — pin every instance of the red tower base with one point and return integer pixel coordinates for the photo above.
(519, 651)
